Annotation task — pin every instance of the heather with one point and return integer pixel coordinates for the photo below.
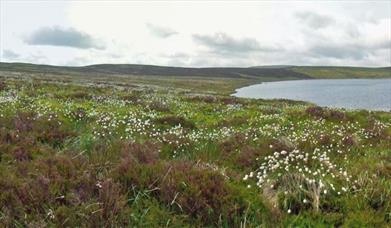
(93, 156)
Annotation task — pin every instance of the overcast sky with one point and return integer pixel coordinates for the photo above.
(197, 33)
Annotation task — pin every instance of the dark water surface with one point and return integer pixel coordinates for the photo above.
(371, 94)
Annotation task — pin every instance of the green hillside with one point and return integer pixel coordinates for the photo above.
(344, 72)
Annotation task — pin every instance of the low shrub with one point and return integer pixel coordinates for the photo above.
(350, 141)
(235, 121)
(337, 115)
(282, 143)
(134, 97)
(146, 153)
(23, 121)
(79, 95)
(159, 106)
(200, 193)
(231, 100)
(376, 131)
(112, 200)
(316, 111)
(325, 113)
(79, 114)
(3, 86)
(324, 139)
(247, 157)
(21, 154)
(52, 132)
(232, 144)
(172, 120)
(205, 99)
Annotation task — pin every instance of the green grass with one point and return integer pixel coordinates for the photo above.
(344, 72)
(185, 154)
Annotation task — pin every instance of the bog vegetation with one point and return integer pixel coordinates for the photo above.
(108, 156)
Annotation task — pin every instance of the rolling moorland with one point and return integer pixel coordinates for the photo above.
(134, 145)
(205, 80)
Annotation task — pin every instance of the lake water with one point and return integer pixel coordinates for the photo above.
(371, 94)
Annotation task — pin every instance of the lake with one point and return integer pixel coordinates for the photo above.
(371, 94)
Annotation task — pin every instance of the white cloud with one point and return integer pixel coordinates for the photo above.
(206, 33)
(160, 31)
(314, 20)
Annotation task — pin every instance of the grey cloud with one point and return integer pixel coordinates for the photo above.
(9, 54)
(66, 37)
(384, 44)
(179, 55)
(338, 51)
(314, 20)
(162, 32)
(223, 43)
(356, 51)
(352, 31)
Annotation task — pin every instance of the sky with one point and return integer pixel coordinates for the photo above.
(196, 33)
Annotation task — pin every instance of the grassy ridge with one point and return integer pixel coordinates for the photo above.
(344, 72)
(115, 153)
(150, 70)
(268, 72)
(203, 80)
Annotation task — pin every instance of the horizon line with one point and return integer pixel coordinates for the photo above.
(204, 67)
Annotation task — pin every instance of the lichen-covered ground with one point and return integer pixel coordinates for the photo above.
(89, 156)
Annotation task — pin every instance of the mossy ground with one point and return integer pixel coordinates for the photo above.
(108, 156)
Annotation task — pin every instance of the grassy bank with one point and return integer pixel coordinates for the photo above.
(184, 154)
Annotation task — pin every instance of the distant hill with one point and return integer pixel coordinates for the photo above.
(150, 70)
(343, 72)
(278, 72)
(273, 66)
